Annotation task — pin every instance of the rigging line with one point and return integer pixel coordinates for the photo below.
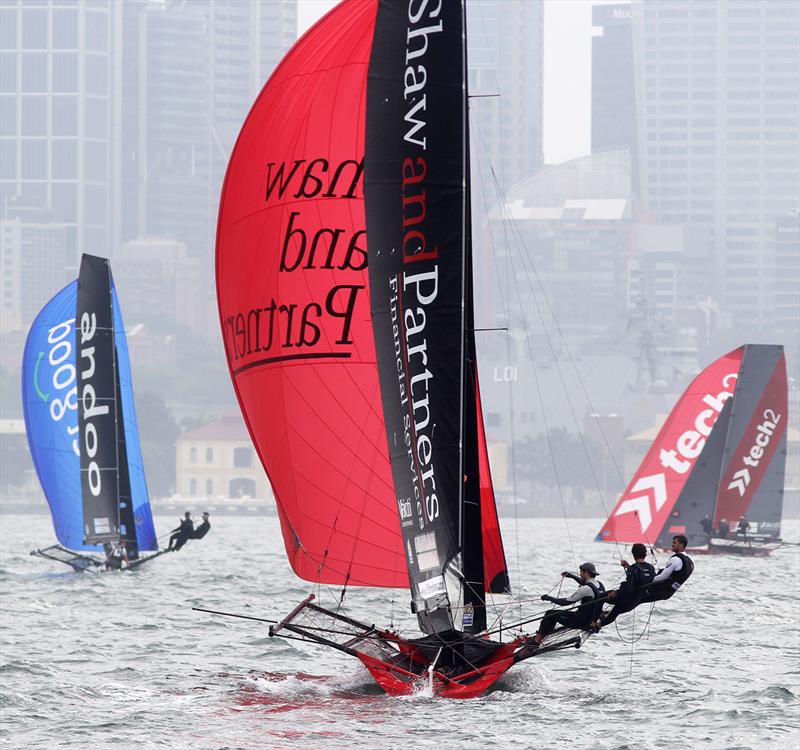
(547, 431)
(535, 376)
(574, 606)
(507, 320)
(562, 337)
(633, 642)
(634, 638)
(524, 255)
(463, 641)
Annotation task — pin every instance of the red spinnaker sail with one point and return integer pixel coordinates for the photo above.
(495, 571)
(294, 307)
(645, 506)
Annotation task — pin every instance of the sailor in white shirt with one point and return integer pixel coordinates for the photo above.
(581, 617)
(677, 570)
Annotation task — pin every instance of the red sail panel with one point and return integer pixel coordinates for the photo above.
(495, 571)
(645, 506)
(757, 447)
(294, 307)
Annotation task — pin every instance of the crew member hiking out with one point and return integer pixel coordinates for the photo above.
(676, 572)
(589, 591)
(201, 529)
(181, 533)
(630, 592)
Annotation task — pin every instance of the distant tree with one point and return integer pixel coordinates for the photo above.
(158, 432)
(192, 423)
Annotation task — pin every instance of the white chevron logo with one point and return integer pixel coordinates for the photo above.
(740, 481)
(641, 504)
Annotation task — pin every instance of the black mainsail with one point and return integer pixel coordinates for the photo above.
(97, 402)
(415, 191)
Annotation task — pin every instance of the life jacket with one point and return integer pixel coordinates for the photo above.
(681, 576)
(590, 612)
(640, 575)
(114, 558)
(678, 578)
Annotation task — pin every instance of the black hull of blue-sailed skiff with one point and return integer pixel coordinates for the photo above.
(83, 563)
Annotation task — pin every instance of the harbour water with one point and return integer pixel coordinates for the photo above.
(121, 660)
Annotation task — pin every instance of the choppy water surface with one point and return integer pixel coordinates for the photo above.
(121, 660)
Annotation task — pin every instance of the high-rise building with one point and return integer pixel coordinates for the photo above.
(190, 73)
(120, 117)
(717, 94)
(57, 72)
(565, 233)
(33, 267)
(613, 93)
(787, 275)
(162, 285)
(505, 58)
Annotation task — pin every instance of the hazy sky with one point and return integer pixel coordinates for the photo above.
(567, 72)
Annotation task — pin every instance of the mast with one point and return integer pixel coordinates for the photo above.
(127, 520)
(471, 538)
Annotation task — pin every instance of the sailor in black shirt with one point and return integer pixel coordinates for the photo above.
(181, 533)
(116, 556)
(743, 527)
(632, 589)
(201, 530)
(708, 525)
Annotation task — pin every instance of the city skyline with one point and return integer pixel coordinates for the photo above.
(118, 122)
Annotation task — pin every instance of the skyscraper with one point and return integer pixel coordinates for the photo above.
(191, 71)
(33, 265)
(505, 59)
(787, 276)
(613, 93)
(717, 89)
(56, 140)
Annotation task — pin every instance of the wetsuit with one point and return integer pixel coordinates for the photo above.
(743, 528)
(631, 590)
(579, 618)
(708, 526)
(678, 569)
(182, 533)
(201, 530)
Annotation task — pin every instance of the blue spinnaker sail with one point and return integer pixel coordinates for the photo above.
(50, 401)
(50, 404)
(143, 515)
